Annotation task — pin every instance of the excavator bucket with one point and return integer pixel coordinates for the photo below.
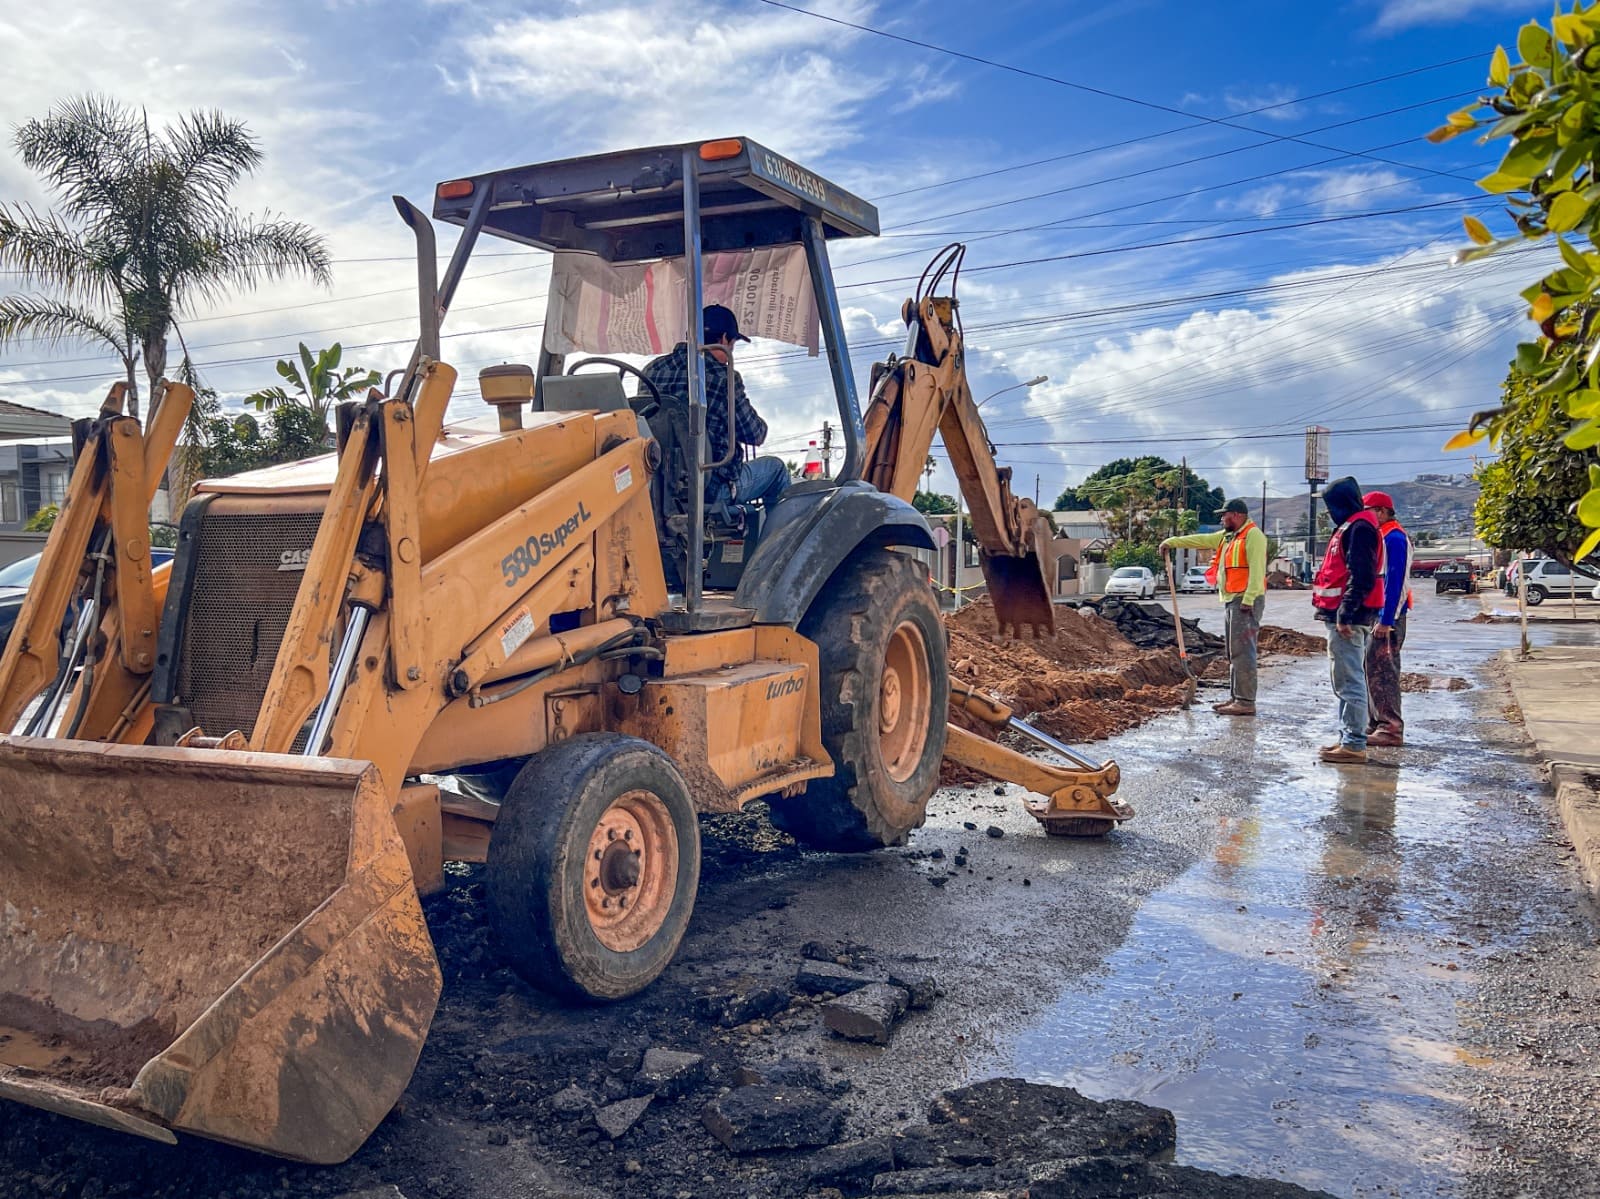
(214, 941)
(1018, 586)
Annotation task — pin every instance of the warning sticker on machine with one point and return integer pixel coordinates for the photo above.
(733, 551)
(514, 630)
(622, 477)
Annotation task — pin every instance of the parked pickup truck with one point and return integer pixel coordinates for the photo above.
(1456, 575)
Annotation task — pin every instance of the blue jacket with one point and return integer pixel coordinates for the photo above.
(1397, 557)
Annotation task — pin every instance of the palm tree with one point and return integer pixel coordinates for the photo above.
(143, 230)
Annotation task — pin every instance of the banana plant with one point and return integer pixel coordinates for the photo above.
(318, 383)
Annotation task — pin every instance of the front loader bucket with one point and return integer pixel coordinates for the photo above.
(220, 942)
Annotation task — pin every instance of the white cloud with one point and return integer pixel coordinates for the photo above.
(1274, 98)
(1395, 16)
(641, 73)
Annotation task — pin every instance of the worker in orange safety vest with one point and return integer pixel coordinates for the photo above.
(1238, 571)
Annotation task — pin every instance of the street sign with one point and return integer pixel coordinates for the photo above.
(941, 536)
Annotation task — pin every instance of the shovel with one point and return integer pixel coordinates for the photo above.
(1177, 624)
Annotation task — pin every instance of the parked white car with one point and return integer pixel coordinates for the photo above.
(1548, 578)
(1194, 579)
(1132, 580)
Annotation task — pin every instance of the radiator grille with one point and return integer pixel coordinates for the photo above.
(238, 610)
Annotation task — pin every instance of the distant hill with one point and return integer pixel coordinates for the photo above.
(1439, 504)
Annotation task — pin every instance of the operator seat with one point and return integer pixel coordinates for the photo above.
(731, 528)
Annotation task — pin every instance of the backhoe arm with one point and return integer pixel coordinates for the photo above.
(926, 392)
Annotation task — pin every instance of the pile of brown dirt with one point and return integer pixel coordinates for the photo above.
(1276, 640)
(1084, 682)
(1432, 682)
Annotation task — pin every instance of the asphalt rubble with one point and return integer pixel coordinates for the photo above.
(704, 1094)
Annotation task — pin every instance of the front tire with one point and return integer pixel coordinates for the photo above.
(593, 867)
(885, 687)
(1535, 596)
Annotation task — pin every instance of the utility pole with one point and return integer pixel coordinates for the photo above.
(1263, 505)
(1183, 492)
(1035, 491)
(827, 450)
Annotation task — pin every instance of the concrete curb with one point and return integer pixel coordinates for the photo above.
(1579, 805)
(1574, 782)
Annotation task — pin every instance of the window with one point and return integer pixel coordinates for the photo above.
(10, 509)
(56, 487)
(1128, 572)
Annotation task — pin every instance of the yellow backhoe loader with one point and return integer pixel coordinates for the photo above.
(530, 641)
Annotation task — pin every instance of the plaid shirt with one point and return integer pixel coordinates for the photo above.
(670, 373)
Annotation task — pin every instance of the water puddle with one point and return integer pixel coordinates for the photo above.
(1295, 997)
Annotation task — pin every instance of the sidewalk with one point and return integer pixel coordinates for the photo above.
(1558, 692)
(1553, 611)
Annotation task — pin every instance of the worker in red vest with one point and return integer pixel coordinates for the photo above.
(1384, 724)
(1238, 571)
(1347, 593)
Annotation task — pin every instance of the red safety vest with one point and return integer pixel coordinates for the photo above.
(1236, 570)
(1383, 533)
(1327, 589)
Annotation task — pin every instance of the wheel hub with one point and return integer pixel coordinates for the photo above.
(905, 701)
(630, 871)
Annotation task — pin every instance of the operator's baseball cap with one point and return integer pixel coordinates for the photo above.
(1238, 506)
(1378, 499)
(719, 323)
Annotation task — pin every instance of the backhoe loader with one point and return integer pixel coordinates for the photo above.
(529, 640)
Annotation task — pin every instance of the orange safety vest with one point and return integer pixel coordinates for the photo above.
(1384, 530)
(1327, 589)
(1236, 570)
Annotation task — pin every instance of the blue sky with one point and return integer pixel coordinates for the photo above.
(1315, 285)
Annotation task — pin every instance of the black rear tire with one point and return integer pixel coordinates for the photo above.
(549, 851)
(1535, 596)
(885, 688)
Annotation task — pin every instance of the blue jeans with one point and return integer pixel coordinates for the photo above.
(763, 479)
(1347, 661)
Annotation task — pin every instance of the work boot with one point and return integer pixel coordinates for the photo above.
(1384, 739)
(1343, 755)
(1221, 704)
(1236, 707)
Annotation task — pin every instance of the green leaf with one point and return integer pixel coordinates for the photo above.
(1581, 405)
(1498, 182)
(1567, 211)
(1584, 436)
(1499, 67)
(331, 356)
(1572, 30)
(1589, 510)
(1528, 156)
(1573, 258)
(1534, 45)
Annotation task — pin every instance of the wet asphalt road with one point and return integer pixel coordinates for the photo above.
(1371, 981)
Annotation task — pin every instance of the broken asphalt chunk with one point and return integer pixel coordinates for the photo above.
(759, 1118)
(619, 1117)
(669, 1072)
(822, 978)
(867, 1014)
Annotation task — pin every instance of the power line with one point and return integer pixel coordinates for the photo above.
(1194, 118)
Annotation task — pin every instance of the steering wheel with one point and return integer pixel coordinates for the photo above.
(651, 407)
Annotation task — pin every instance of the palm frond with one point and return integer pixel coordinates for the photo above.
(86, 148)
(45, 249)
(242, 252)
(210, 153)
(56, 321)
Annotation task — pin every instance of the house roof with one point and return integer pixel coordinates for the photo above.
(7, 408)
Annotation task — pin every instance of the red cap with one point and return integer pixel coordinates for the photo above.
(1378, 499)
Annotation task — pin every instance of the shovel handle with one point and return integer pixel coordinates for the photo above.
(1177, 621)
